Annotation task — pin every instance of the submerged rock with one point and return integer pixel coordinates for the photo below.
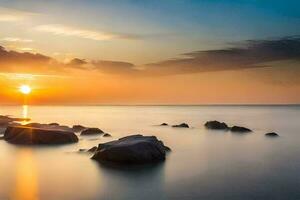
(164, 124)
(91, 131)
(240, 129)
(30, 136)
(182, 125)
(216, 125)
(272, 134)
(134, 149)
(107, 135)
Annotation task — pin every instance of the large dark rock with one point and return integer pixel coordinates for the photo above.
(272, 134)
(182, 125)
(134, 149)
(240, 129)
(91, 131)
(51, 126)
(30, 136)
(216, 125)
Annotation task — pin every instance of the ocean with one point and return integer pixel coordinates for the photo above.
(203, 164)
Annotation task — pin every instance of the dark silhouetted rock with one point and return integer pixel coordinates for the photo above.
(30, 136)
(93, 149)
(54, 124)
(164, 124)
(91, 131)
(240, 129)
(182, 125)
(272, 134)
(134, 149)
(78, 128)
(216, 125)
(107, 135)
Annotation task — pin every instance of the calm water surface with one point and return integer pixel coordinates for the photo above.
(203, 164)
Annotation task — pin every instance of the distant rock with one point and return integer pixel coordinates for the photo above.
(31, 136)
(91, 131)
(78, 128)
(272, 134)
(54, 124)
(240, 129)
(6, 120)
(164, 124)
(107, 135)
(182, 125)
(216, 125)
(134, 149)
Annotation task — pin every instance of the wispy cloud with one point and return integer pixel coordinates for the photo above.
(15, 39)
(59, 29)
(11, 15)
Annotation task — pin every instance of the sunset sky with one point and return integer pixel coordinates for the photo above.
(150, 52)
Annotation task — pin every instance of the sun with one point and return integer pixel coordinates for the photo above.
(25, 89)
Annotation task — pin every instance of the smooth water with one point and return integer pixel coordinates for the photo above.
(203, 164)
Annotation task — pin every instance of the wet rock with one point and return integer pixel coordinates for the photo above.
(31, 136)
(91, 131)
(164, 124)
(134, 149)
(272, 134)
(240, 129)
(216, 125)
(107, 135)
(78, 128)
(182, 125)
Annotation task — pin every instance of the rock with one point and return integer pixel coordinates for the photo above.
(78, 128)
(272, 134)
(182, 125)
(240, 129)
(91, 131)
(164, 124)
(31, 136)
(93, 149)
(134, 149)
(54, 124)
(216, 125)
(107, 135)
(6, 120)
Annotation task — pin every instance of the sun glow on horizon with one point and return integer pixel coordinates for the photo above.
(25, 89)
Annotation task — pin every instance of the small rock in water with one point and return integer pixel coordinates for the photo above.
(78, 128)
(240, 129)
(164, 124)
(91, 131)
(134, 149)
(216, 125)
(107, 135)
(182, 125)
(272, 134)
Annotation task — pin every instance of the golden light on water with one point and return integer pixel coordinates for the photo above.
(25, 89)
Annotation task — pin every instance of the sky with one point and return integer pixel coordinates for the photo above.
(150, 52)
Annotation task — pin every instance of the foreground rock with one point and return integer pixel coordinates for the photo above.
(31, 136)
(182, 125)
(216, 125)
(91, 131)
(272, 134)
(51, 126)
(240, 129)
(134, 149)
